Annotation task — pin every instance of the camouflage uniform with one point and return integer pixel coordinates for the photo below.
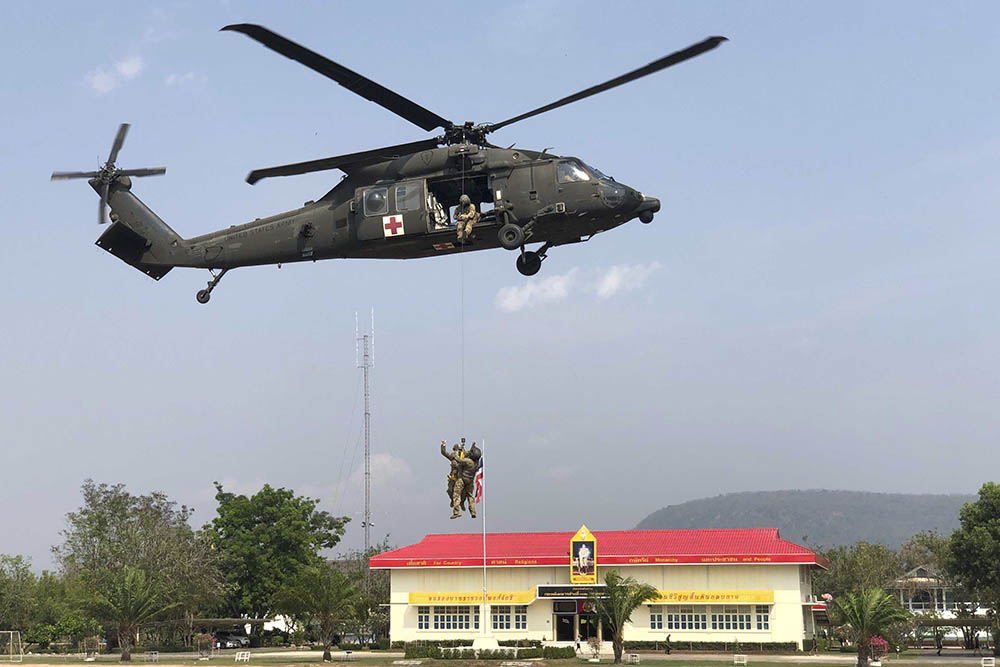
(469, 479)
(466, 216)
(456, 479)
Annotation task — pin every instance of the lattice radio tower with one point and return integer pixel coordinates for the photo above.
(364, 351)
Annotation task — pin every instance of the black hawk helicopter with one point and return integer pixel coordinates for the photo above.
(393, 201)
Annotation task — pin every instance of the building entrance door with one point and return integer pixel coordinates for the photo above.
(588, 626)
(564, 628)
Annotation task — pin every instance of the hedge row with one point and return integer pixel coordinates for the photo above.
(770, 647)
(414, 650)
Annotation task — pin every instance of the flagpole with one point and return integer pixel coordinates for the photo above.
(482, 509)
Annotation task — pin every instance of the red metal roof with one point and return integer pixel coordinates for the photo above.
(614, 547)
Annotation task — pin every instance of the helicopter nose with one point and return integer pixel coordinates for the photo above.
(647, 208)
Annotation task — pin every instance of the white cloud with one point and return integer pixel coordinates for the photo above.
(130, 67)
(101, 81)
(624, 278)
(535, 292)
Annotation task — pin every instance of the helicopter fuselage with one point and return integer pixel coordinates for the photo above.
(390, 210)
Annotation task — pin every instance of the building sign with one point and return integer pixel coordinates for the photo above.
(569, 592)
(583, 557)
(475, 597)
(713, 597)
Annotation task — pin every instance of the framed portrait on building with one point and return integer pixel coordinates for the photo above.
(583, 557)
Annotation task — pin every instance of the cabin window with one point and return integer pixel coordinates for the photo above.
(408, 196)
(572, 172)
(377, 201)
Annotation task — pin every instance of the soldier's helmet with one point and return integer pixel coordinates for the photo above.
(464, 200)
(456, 447)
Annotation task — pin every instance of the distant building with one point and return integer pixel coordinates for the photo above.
(714, 585)
(924, 590)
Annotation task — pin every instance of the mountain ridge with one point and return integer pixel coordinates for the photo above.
(819, 518)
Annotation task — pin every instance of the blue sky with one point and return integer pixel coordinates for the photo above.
(812, 307)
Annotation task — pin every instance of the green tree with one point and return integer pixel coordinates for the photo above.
(17, 599)
(615, 606)
(127, 601)
(115, 529)
(866, 614)
(975, 552)
(371, 616)
(263, 540)
(857, 567)
(319, 595)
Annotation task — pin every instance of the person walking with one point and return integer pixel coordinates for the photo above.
(666, 645)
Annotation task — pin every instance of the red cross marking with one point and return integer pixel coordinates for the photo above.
(393, 225)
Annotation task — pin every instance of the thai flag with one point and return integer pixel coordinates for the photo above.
(479, 482)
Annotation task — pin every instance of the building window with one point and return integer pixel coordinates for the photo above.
(501, 617)
(685, 618)
(521, 617)
(732, 618)
(763, 617)
(423, 618)
(655, 617)
(456, 618)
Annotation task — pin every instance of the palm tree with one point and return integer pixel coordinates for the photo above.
(321, 594)
(614, 607)
(867, 614)
(128, 600)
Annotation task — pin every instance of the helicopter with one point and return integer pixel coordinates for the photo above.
(392, 202)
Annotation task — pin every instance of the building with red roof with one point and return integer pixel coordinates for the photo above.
(715, 585)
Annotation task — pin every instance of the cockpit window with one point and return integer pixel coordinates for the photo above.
(572, 172)
(598, 173)
(376, 201)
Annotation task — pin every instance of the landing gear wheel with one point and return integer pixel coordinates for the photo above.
(204, 295)
(646, 217)
(511, 236)
(529, 263)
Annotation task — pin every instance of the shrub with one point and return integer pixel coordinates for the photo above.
(558, 652)
(382, 644)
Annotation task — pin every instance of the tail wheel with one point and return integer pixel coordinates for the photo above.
(511, 236)
(529, 263)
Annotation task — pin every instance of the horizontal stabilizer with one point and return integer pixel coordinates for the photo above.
(129, 247)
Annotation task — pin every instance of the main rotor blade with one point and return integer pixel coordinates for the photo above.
(655, 66)
(66, 175)
(349, 79)
(152, 171)
(119, 140)
(375, 155)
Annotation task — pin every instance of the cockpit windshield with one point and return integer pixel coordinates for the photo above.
(598, 173)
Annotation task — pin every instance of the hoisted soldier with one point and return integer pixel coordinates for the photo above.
(469, 478)
(466, 216)
(456, 478)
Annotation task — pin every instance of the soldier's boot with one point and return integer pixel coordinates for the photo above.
(456, 514)
(472, 511)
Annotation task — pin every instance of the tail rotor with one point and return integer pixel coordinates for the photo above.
(109, 173)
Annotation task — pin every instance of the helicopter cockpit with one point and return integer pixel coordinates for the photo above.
(574, 171)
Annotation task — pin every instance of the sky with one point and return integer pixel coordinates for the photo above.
(813, 306)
